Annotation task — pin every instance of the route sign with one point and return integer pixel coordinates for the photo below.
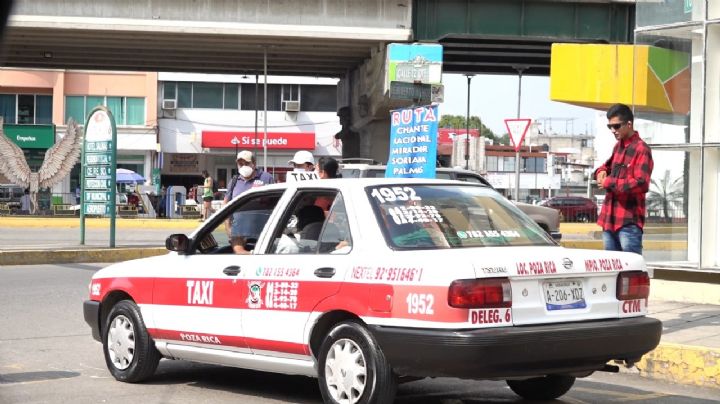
(99, 157)
(418, 92)
(516, 130)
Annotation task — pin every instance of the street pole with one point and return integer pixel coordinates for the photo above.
(467, 125)
(265, 110)
(520, 70)
(255, 145)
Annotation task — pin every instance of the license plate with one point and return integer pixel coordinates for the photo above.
(564, 295)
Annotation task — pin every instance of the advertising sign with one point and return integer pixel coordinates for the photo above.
(246, 140)
(99, 158)
(413, 142)
(414, 63)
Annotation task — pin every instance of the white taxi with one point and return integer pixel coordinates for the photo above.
(365, 284)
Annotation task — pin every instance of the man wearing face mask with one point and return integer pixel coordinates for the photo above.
(248, 176)
(245, 224)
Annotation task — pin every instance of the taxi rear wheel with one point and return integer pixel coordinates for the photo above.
(130, 353)
(353, 368)
(542, 388)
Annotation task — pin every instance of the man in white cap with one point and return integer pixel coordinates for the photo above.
(303, 161)
(243, 225)
(304, 170)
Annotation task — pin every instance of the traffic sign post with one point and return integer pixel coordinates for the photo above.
(517, 128)
(99, 157)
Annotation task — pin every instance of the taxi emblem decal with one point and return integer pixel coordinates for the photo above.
(567, 263)
(254, 299)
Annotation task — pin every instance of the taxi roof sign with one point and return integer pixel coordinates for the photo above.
(516, 130)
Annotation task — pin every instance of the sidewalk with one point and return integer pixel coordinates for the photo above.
(689, 351)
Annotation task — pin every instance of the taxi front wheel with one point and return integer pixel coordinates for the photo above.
(353, 368)
(130, 353)
(542, 388)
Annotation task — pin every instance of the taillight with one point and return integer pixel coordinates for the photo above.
(480, 293)
(633, 285)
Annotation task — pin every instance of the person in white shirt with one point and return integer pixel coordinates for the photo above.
(25, 202)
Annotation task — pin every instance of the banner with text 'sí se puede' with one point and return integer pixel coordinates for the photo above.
(413, 142)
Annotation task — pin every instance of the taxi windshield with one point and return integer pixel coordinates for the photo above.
(451, 216)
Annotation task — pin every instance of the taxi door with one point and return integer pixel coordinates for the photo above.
(304, 263)
(199, 301)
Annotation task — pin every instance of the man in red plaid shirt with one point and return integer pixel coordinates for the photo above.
(625, 176)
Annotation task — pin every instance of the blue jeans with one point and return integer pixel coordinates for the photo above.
(627, 238)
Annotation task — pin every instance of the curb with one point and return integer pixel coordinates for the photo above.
(35, 257)
(647, 244)
(683, 364)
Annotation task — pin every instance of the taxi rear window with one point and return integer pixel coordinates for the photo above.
(451, 216)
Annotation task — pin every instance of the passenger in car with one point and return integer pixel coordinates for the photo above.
(310, 219)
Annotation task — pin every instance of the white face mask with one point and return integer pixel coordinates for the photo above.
(299, 169)
(245, 171)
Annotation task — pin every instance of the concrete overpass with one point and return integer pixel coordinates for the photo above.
(332, 38)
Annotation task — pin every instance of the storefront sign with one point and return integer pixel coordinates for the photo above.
(413, 142)
(184, 163)
(31, 136)
(275, 140)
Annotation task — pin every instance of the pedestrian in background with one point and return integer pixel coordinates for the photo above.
(625, 177)
(245, 224)
(207, 195)
(328, 168)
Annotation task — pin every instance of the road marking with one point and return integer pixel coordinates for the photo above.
(621, 396)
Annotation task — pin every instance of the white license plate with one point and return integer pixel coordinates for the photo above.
(564, 294)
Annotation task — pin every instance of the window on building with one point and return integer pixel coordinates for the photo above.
(508, 164)
(247, 97)
(207, 95)
(125, 110)
(318, 98)
(290, 92)
(491, 162)
(27, 109)
(231, 96)
(184, 95)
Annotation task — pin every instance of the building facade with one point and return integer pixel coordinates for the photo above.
(205, 119)
(37, 104)
(684, 136)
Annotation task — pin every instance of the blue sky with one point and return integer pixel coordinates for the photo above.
(494, 98)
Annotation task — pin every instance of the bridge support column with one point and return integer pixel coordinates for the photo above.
(364, 92)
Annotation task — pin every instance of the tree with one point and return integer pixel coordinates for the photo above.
(459, 122)
(665, 194)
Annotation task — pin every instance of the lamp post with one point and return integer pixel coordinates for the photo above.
(467, 125)
(520, 70)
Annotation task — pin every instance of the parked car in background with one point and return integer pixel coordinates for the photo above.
(547, 218)
(574, 208)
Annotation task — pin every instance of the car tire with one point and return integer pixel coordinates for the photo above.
(542, 388)
(130, 353)
(353, 369)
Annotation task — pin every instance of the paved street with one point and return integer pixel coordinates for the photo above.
(47, 356)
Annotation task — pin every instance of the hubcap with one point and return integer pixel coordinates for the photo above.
(345, 371)
(121, 342)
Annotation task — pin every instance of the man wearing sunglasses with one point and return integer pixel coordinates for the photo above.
(625, 176)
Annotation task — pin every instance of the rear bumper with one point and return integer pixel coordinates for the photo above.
(91, 310)
(517, 351)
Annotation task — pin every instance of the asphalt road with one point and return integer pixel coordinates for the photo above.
(48, 356)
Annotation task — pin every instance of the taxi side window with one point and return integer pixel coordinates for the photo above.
(244, 222)
(310, 225)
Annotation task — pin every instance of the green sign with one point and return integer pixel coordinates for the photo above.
(687, 6)
(95, 209)
(156, 180)
(97, 197)
(94, 158)
(93, 183)
(31, 136)
(99, 160)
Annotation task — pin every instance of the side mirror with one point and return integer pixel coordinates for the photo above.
(177, 242)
